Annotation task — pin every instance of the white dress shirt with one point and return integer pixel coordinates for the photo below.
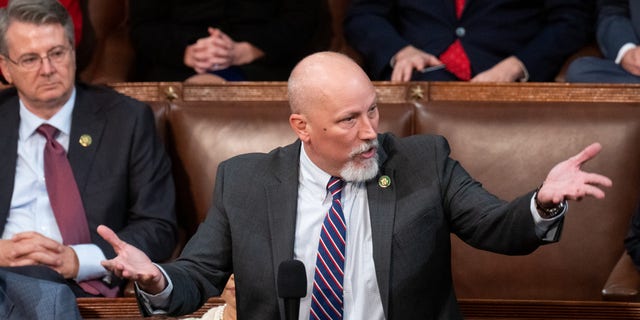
(361, 294)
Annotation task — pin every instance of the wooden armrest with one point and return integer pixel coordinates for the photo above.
(127, 308)
(623, 282)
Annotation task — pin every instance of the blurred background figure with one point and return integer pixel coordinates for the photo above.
(231, 40)
(477, 40)
(618, 34)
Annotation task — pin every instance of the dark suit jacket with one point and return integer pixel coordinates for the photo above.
(618, 24)
(22, 297)
(124, 176)
(285, 30)
(249, 230)
(541, 33)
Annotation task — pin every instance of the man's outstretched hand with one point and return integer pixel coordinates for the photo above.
(567, 181)
(131, 263)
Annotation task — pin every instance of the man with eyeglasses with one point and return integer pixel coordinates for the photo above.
(74, 157)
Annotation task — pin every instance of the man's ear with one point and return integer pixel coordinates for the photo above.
(300, 126)
(5, 69)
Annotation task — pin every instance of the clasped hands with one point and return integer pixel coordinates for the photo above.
(32, 248)
(218, 51)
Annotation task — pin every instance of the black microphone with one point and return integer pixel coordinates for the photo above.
(292, 285)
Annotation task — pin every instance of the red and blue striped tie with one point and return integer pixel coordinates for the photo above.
(326, 300)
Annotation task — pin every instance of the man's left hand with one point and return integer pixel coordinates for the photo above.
(567, 181)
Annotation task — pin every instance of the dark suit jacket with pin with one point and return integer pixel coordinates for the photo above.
(250, 230)
(541, 33)
(124, 175)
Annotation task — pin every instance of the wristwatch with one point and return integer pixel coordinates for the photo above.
(548, 213)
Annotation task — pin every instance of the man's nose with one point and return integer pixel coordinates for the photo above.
(367, 130)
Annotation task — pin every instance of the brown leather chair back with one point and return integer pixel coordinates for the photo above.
(510, 147)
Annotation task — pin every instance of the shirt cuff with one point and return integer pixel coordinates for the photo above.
(623, 50)
(89, 258)
(546, 229)
(156, 303)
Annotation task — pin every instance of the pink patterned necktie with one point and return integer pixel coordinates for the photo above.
(327, 295)
(66, 202)
(455, 58)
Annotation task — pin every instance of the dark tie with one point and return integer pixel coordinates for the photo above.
(326, 299)
(66, 202)
(455, 58)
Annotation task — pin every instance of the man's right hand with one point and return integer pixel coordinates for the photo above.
(131, 263)
(32, 248)
(408, 59)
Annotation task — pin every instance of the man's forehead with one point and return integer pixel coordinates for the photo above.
(27, 37)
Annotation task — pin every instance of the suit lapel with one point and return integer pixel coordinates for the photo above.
(282, 202)
(382, 213)
(9, 123)
(86, 120)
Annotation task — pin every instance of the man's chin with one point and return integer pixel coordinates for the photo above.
(360, 171)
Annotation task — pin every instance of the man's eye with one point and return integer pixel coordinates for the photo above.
(29, 60)
(56, 54)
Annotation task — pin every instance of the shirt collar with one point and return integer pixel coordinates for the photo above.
(310, 173)
(29, 122)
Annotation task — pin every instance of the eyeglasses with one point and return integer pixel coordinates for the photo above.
(32, 61)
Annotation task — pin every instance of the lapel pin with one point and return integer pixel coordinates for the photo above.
(85, 140)
(384, 181)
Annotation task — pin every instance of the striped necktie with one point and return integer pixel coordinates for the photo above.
(326, 300)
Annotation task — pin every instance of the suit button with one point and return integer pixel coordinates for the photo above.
(460, 32)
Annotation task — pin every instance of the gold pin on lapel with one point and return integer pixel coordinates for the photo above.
(85, 140)
(384, 181)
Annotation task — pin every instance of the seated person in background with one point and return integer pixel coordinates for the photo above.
(74, 9)
(230, 39)
(388, 207)
(618, 36)
(74, 157)
(480, 40)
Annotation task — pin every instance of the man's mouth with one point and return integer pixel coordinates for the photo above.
(370, 153)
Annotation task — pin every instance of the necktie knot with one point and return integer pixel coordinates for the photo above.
(335, 186)
(48, 131)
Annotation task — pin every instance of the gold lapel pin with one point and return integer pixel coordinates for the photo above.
(85, 140)
(384, 181)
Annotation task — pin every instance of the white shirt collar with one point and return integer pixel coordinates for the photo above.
(29, 122)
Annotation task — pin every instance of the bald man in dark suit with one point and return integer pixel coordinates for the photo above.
(403, 197)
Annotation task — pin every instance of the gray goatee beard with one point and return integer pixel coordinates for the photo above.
(361, 171)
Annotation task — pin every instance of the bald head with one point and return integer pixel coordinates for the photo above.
(335, 115)
(323, 77)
